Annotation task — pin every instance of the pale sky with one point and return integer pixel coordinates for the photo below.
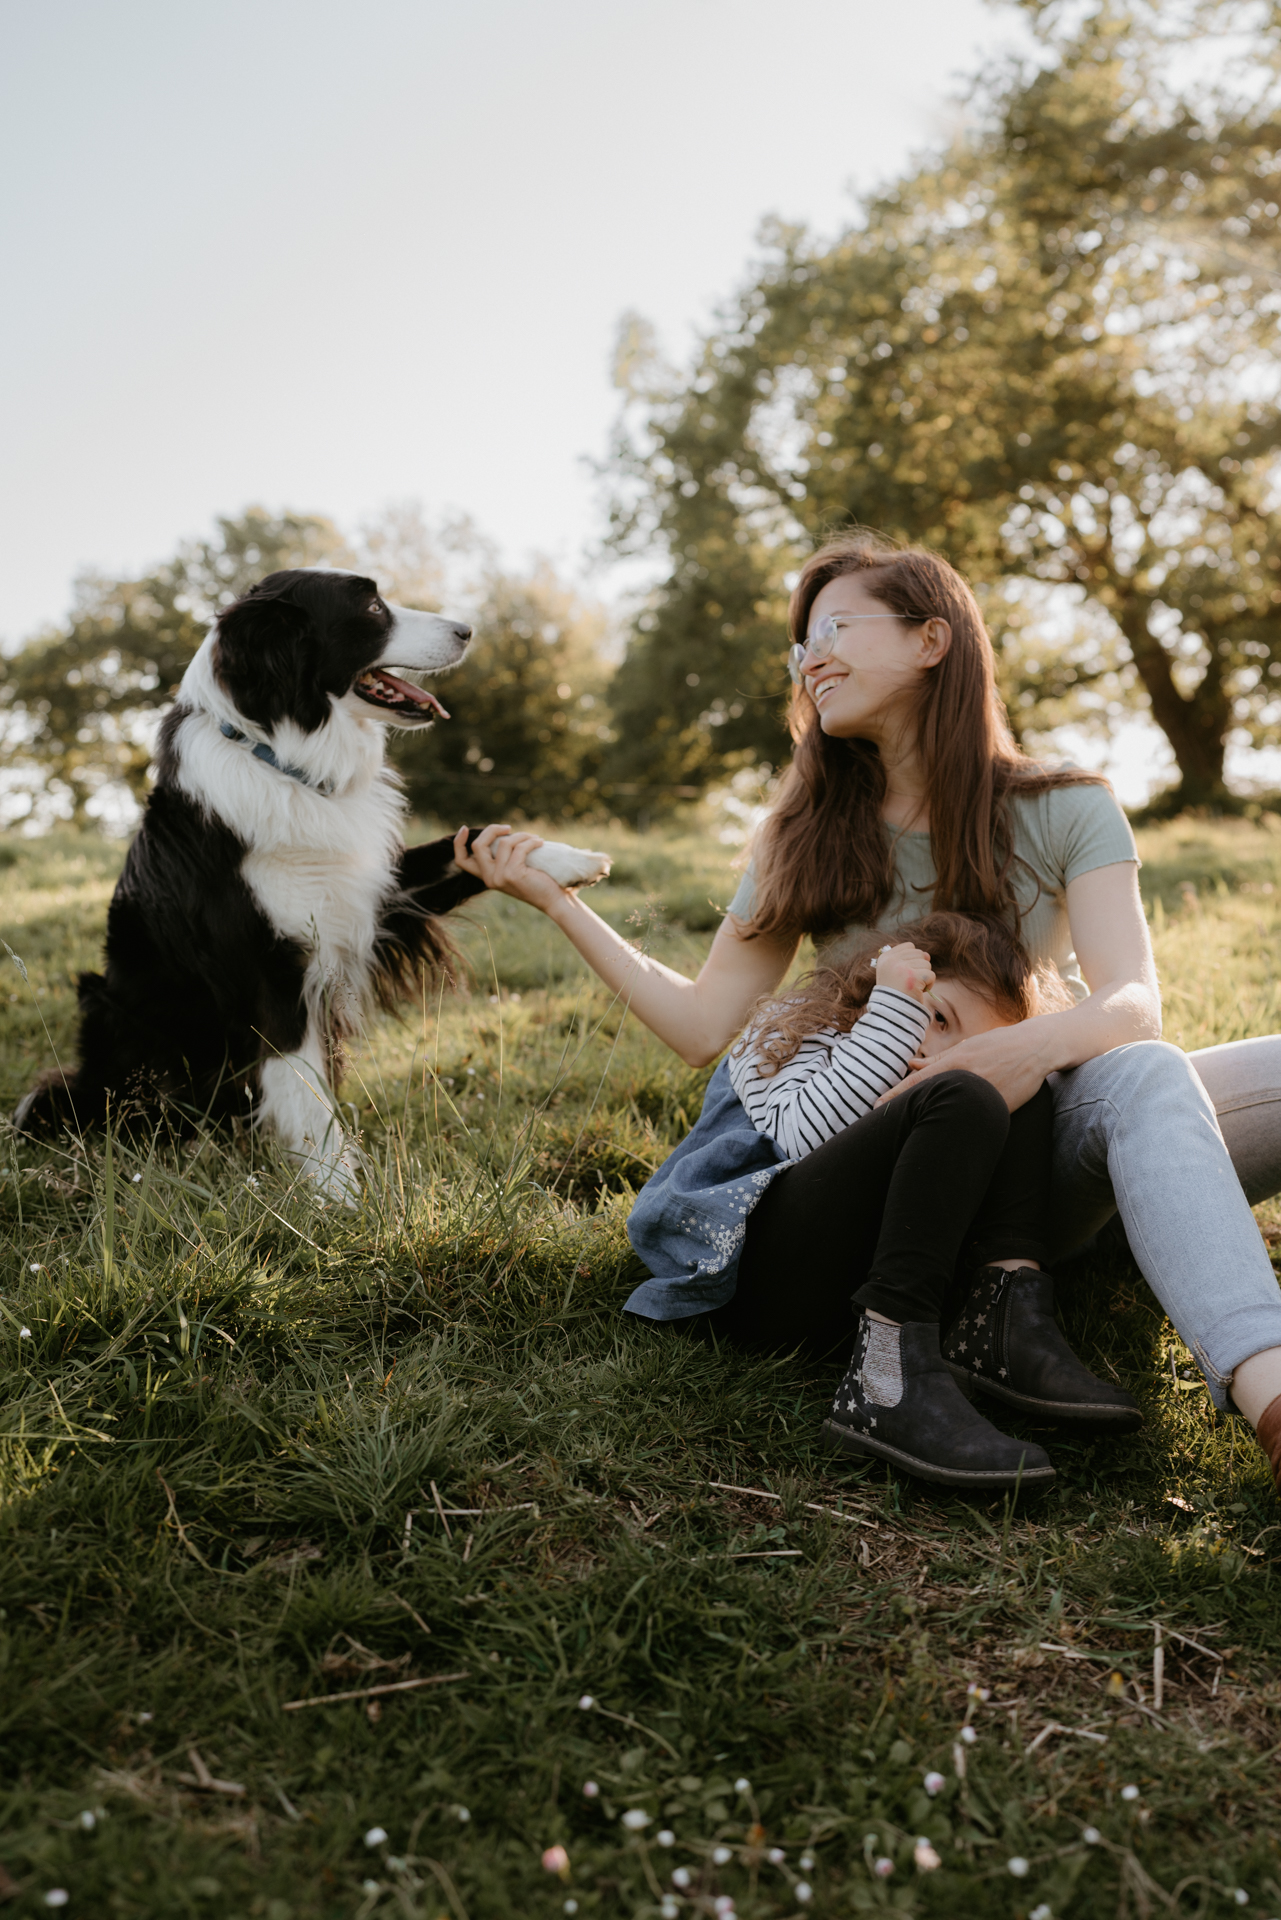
(327, 255)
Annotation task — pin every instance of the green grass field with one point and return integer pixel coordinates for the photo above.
(255, 1451)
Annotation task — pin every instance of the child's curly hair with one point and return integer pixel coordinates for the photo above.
(976, 948)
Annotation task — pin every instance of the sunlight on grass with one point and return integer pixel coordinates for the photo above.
(256, 1451)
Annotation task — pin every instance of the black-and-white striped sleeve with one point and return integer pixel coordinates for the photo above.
(833, 1078)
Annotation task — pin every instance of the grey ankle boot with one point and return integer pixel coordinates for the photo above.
(899, 1402)
(1007, 1343)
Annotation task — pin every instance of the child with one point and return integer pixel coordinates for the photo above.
(897, 1184)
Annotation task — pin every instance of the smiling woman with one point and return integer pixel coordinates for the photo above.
(906, 787)
(898, 725)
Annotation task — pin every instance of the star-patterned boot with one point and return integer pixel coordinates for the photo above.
(1007, 1342)
(899, 1402)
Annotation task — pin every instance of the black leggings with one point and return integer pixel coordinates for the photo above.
(885, 1211)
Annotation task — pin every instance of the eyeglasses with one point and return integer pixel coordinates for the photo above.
(824, 634)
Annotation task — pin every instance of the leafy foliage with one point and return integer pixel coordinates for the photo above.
(530, 721)
(80, 704)
(1051, 354)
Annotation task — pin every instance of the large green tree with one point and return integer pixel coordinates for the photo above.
(530, 721)
(1051, 354)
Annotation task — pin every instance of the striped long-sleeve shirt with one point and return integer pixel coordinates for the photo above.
(833, 1078)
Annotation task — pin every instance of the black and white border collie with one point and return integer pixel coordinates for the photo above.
(268, 902)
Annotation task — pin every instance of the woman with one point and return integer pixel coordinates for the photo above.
(905, 792)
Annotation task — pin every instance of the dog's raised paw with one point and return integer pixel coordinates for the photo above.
(569, 866)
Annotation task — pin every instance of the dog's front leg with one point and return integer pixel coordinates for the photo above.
(299, 1107)
(433, 878)
(568, 866)
(427, 885)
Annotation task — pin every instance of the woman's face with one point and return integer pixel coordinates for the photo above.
(863, 685)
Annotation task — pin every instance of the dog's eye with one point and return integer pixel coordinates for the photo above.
(376, 606)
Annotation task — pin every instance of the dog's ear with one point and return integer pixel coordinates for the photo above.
(261, 655)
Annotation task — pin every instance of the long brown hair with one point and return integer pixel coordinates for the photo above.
(823, 859)
(977, 948)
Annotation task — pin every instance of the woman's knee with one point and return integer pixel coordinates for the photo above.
(1160, 1057)
(1146, 1070)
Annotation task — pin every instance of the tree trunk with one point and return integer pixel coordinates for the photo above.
(1195, 727)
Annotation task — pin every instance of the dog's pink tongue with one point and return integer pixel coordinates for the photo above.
(419, 695)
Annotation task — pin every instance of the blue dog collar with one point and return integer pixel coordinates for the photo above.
(261, 751)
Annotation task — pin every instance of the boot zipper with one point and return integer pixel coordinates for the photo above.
(1001, 1329)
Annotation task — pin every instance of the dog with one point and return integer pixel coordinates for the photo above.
(267, 903)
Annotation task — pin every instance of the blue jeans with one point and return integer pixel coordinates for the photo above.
(1179, 1145)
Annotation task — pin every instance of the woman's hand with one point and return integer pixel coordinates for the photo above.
(1112, 943)
(498, 858)
(1013, 1059)
(696, 1018)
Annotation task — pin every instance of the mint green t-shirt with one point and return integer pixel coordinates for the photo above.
(1057, 835)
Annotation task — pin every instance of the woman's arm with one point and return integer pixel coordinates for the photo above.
(696, 1018)
(1111, 939)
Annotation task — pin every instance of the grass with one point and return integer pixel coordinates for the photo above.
(255, 1451)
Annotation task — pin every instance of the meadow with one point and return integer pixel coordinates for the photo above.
(350, 1561)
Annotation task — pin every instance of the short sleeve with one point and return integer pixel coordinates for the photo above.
(1086, 829)
(743, 905)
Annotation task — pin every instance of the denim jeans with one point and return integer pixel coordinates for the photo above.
(1180, 1145)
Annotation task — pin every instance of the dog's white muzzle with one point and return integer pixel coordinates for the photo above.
(417, 643)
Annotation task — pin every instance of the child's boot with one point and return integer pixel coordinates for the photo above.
(1008, 1342)
(899, 1402)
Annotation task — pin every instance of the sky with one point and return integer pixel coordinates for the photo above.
(328, 256)
(331, 256)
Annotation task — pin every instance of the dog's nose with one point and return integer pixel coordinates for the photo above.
(461, 633)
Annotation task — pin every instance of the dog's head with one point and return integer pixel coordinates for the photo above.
(309, 639)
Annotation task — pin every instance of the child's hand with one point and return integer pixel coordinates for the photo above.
(907, 968)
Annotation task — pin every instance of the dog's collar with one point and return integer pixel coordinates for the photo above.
(261, 751)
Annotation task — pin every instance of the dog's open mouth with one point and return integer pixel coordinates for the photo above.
(382, 689)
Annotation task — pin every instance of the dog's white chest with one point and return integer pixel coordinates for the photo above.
(320, 900)
(318, 865)
(329, 906)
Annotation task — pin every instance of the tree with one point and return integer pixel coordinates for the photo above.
(80, 704)
(1051, 354)
(530, 721)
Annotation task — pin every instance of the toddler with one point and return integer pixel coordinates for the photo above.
(908, 1184)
